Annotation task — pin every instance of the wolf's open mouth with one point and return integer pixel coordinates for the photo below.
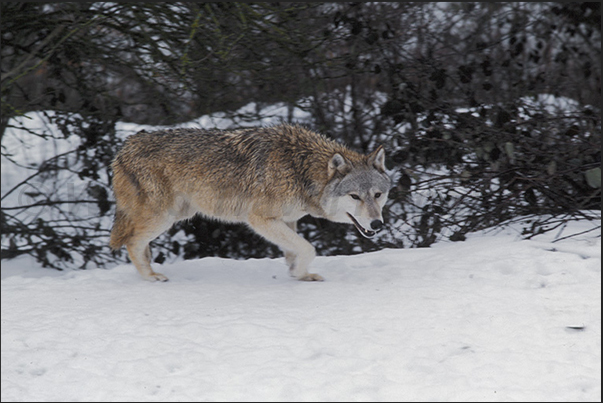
(365, 232)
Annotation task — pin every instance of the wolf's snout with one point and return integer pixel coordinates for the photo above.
(376, 225)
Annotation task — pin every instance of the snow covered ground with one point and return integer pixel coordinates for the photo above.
(494, 318)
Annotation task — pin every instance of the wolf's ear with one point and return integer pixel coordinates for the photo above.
(337, 164)
(377, 159)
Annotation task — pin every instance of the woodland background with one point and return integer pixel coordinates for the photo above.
(488, 111)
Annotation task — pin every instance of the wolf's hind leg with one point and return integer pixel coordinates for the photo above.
(140, 251)
(140, 255)
(296, 248)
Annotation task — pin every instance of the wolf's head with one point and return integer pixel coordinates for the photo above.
(357, 191)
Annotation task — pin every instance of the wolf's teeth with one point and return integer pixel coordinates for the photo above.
(365, 232)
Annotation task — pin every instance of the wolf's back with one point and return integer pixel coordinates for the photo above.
(275, 166)
(248, 157)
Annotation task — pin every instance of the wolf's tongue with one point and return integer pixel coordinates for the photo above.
(366, 233)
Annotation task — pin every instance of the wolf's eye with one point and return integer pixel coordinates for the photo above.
(377, 195)
(355, 197)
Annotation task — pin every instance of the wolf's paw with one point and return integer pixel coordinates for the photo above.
(311, 277)
(156, 277)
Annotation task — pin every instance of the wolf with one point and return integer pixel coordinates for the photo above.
(266, 177)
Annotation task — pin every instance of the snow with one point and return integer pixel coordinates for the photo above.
(494, 318)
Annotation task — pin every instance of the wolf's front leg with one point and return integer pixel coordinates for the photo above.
(299, 253)
(291, 257)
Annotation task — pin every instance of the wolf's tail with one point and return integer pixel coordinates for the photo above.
(122, 230)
